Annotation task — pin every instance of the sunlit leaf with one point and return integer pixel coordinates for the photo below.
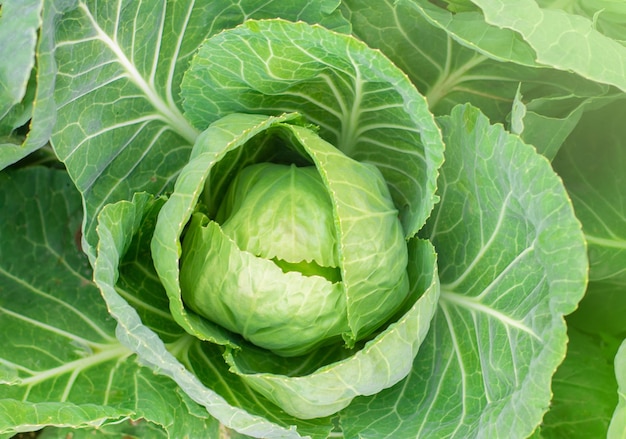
(512, 263)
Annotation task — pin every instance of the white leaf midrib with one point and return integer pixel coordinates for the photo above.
(169, 113)
(76, 367)
(474, 305)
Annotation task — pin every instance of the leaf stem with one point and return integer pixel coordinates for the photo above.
(108, 353)
(448, 79)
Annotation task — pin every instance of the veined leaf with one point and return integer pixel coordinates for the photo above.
(37, 104)
(19, 23)
(608, 16)
(561, 40)
(119, 128)
(458, 58)
(468, 28)
(512, 263)
(61, 363)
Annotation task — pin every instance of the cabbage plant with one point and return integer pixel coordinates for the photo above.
(293, 219)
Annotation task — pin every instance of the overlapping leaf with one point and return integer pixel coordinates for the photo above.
(61, 363)
(119, 127)
(445, 71)
(120, 130)
(560, 39)
(19, 23)
(197, 367)
(458, 58)
(512, 262)
(362, 103)
(32, 89)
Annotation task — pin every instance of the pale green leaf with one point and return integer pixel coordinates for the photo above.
(442, 69)
(561, 40)
(468, 28)
(518, 113)
(608, 16)
(458, 58)
(19, 23)
(37, 104)
(373, 268)
(512, 262)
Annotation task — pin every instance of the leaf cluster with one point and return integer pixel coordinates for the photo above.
(496, 125)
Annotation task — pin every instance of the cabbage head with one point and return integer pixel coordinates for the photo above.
(292, 254)
(287, 241)
(276, 264)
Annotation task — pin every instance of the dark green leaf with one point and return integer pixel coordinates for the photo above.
(592, 164)
(585, 390)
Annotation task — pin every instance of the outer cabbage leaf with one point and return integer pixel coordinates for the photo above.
(19, 23)
(36, 94)
(512, 262)
(362, 103)
(303, 386)
(60, 362)
(119, 128)
(608, 16)
(561, 40)
(446, 72)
